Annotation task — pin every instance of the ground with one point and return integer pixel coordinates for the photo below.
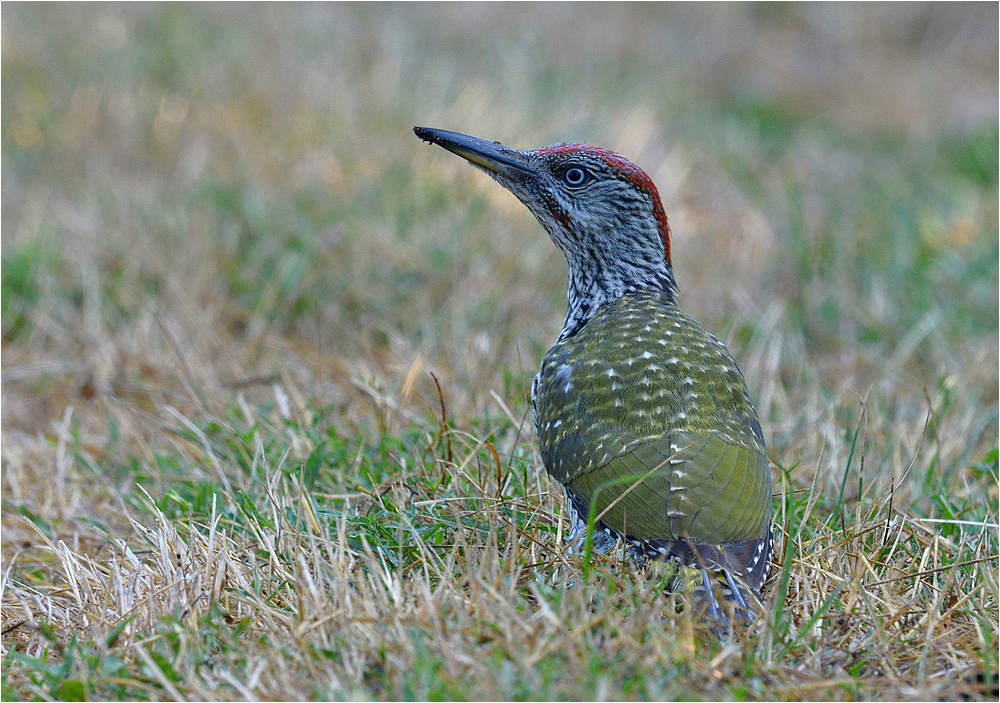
(266, 356)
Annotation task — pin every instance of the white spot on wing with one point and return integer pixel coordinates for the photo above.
(563, 378)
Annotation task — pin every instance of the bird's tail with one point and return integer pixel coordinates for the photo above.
(727, 597)
(723, 594)
(720, 596)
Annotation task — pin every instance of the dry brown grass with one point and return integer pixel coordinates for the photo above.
(466, 594)
(230, 271)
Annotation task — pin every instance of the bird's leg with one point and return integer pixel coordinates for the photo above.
(603, 540)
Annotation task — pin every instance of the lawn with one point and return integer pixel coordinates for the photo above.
(266, 357)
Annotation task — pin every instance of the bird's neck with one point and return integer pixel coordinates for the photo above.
(589, 288)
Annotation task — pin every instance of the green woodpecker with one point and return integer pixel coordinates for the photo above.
(642, 416)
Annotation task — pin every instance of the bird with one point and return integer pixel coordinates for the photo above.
(642, 416)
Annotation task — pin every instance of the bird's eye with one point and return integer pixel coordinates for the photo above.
(575, 176)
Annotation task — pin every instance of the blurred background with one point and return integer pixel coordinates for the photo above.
(200, 201)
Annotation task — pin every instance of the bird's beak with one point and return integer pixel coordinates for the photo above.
(493, 156)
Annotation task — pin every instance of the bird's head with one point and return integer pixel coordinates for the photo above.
(598, 207)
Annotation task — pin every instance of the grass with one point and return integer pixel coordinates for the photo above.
(266, 357)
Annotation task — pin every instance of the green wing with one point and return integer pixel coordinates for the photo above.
(647, 415)
(682, 486)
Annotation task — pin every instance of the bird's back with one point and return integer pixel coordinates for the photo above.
(646, 415)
